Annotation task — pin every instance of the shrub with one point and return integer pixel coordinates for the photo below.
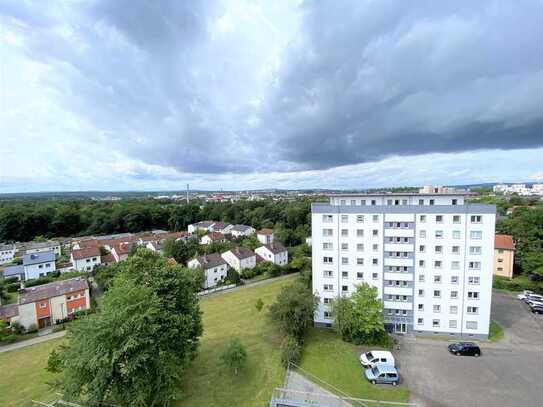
(17, 328)
(38, 281)
(517, 284)
(234, 356)
(14, 287)
(291, 351)
(259, 304)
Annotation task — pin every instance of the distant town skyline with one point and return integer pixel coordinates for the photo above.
(150, 96)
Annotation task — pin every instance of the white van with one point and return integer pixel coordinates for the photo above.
(374, 357)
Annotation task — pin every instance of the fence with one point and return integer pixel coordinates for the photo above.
(214, 290)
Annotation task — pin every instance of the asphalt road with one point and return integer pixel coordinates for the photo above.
(509, 373)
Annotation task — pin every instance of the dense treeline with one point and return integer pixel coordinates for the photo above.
(24, 220)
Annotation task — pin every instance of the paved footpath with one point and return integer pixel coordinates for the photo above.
(33, 341)
(250, 285)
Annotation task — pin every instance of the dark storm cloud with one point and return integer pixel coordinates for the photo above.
(361, 80)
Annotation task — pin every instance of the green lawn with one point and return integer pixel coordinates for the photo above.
(496, 332)
(336, 362)
(23, 376)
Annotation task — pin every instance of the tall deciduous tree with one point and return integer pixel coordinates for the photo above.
(294, 309)
(359, 318)
(134, 352)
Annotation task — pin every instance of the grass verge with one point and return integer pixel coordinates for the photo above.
(334, 361)
(495, 332)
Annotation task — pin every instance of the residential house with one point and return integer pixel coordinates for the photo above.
(7, 253)
(154, 246)
(240, 258)
(14, 271)
(214, 266)
(274, 252)
(265, 236)
(121, 251)
(42, 247)
(220, 227)
(504, 255)
(86, 259)
(204, 225)
(240, 230)
(38, 264)
(212, 237)
(46, 304)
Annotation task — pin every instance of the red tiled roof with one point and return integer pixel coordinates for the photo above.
(265, 231)
(85, 244)
(123, 248)
(86, 253)
(53, 289)
(108, 259)
(504, 242)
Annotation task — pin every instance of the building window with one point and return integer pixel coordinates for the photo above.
(456, 218)
(437, 294)
(454, 279)
(436, 308)
(437, 279)
(437, 264)
(420, 307)
(327, 246)
(375, 276)
(360, 261)
(47, 265)
(471, 324)
(473, 310)
(328, 273)
(359, 275)
(360, 218)
(439, 234)
(474, 280)
(344, 232)
(455, 265)
(344, 218)
(375, 218)
(452, 323)
(476, 218)
(435, 323)
(344, 288)
(327, 260)
(373, 202)
(344, 246)
(420, 321)
(375, 262)
(40, 266)
(359, 232)
(421, 263)
(500, 260)
(327, 232)
(344, 260)
(474, 265)
(439, 249)
(422, 218)
(453, 309)
(375, 232)
(473, 295)
(439, 218)
(327, 300)
(343, 202)
(327, 218)
(421, 278)
(43, 305)
(375, 247)
(353, 202)
(360, 247)
(456, 234)
(327, 315)
(328, 287)
(454, 295)
(476, 235)
(422, 248)
(422, 234)
(421, 293)
(500, 268)
(475, 250)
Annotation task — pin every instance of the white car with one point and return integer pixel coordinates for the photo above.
(533, 297)
(375, 357)
(524, 294)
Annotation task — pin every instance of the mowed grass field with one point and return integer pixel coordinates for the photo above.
(208, 383)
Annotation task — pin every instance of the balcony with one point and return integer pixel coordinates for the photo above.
(398, 304)
(398, 261)
(398, 290)
(398, 276)
(399, 247)
(399, 232)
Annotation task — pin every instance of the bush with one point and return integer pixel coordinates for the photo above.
(291, 351)
(10, 280)
(38, 281)
(17, 328)
(14, 287)
(517, 284)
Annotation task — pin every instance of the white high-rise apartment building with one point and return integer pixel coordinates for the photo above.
(430, 256)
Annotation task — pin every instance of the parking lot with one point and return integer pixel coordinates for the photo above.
(509, 373)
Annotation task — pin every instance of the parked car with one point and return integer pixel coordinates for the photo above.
(533, 303)
(537, 309)
(370, 359)
(524, 294)
(382, 374)
(465, 349)
(533, 297)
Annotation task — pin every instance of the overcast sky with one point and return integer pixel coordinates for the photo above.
(125, 95)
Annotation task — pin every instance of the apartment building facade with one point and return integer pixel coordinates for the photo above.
(430, 256)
